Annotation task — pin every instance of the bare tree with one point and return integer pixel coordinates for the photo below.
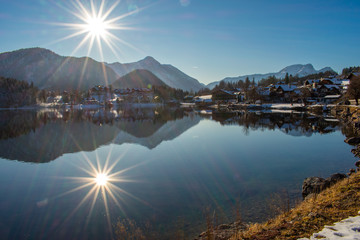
(354, 89)
(304, 94)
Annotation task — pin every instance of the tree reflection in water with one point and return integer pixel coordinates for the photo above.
(43, 136)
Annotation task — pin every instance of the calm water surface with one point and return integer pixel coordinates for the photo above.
(172, 168)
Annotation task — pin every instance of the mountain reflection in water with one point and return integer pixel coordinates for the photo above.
(43, 136)
(178, 163)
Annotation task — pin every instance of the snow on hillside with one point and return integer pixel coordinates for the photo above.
(169, 74)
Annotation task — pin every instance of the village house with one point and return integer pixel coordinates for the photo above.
(203, 99)
(104, 95)
(101, 94)
(188, 98)
(135, 95)
(224, 95)
(264, 94)
(282, 92)
(322, 88)
(354, 76)
(344, 85)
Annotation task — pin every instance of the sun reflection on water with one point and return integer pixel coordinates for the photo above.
(102, 184)
(101, 179)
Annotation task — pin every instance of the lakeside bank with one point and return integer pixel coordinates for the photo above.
(334, 204)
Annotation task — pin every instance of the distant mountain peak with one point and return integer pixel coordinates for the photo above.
(168, 74)
(300, 70)
(149, 60)
(326, 69)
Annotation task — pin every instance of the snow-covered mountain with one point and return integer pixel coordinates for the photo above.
(169, 74)
(49, 70)
(295, 70)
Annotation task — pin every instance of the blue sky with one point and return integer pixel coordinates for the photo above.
(207, 39)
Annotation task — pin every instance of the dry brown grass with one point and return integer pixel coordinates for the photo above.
(335, 203)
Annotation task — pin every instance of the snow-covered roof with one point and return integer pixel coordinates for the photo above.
(204, 97)
(226, 91)
(345, 82)
(328, 86)
(286, 88)
(311, 81)
(332, 96)
(264, 92)
(336, 81)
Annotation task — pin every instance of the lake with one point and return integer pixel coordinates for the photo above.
(167, 169)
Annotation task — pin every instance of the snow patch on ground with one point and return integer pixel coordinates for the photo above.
(348, 228)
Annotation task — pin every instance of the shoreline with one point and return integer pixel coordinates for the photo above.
(230, 107)
(298, 223)
(83, 106)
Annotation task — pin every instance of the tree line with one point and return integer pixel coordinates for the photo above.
(14, 93)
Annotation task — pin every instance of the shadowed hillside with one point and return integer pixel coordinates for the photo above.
(139, 78)
(46, 69)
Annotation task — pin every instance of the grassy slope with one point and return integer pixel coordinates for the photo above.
(334, 204)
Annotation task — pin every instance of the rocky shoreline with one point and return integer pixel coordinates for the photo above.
(350, 115)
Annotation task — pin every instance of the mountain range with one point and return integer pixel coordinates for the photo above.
(170, 75)
(299, 70)
(48, 70)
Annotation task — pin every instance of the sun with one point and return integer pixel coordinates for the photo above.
(97, 27)
(98, 23)
(101, 179)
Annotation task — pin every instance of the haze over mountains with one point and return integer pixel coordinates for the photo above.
(170, 75)
(48, 70)
(299, 70)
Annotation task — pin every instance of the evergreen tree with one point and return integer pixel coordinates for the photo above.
(287, 79)
(247, 83)
(240, 84)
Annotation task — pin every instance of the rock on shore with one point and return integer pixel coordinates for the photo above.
(223, 231)
(318, 184)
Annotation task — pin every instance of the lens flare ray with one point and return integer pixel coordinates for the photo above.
(95, 21)
(101, 185)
